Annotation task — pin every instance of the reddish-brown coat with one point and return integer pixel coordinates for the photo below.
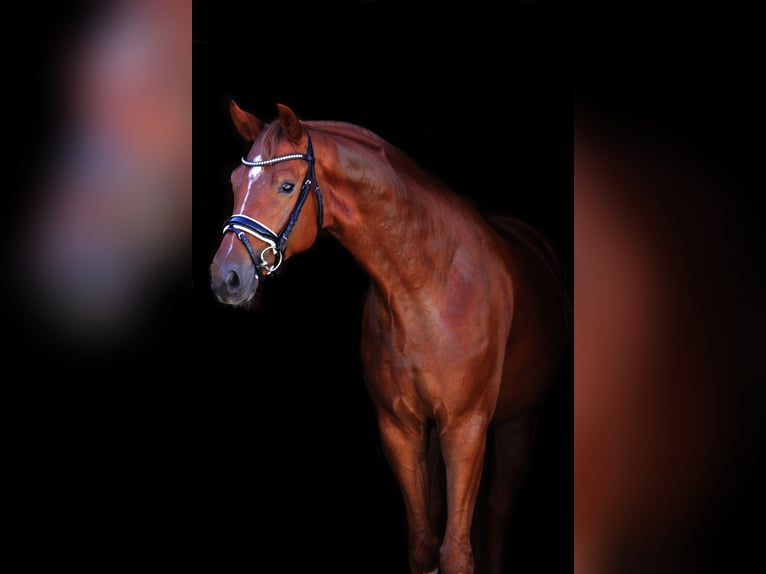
(463, 324)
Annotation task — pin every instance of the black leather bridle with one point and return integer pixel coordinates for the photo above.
(241, 224)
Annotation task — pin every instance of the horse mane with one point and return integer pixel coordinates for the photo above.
(272, 133)
(352, 132)
(356, 134)
(396, 158)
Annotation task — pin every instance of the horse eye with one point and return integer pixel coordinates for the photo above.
(286, 188)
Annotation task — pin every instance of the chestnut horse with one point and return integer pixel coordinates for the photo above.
(464, 324)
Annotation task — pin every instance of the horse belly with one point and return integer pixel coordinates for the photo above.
(523, 386)
(533, 356)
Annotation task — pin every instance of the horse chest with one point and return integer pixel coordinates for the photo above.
(406, 332)
(413, 351)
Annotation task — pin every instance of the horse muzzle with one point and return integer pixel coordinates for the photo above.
(233, 284)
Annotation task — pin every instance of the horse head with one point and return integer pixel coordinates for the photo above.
(271, 220)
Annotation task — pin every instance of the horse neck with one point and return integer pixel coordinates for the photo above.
(397, 224)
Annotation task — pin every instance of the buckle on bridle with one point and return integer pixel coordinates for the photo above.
(268, 267)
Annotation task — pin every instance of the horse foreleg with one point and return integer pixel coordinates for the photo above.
(463, 445)
(406, 449)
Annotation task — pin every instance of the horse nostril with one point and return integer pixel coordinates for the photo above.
(233, 282)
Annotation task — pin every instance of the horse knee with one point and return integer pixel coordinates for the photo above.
(456, 558)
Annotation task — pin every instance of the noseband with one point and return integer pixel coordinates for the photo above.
(241, 224)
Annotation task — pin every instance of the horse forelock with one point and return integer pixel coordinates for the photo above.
(269, 137)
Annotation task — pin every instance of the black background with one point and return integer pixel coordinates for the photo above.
(227, 437)
(230, 437)
(292, 434)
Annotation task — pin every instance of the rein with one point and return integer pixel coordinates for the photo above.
(241, 224)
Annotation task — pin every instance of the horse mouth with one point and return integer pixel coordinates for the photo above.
(250, 302)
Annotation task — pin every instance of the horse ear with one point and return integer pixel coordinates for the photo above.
(290, 123)
(246, 123)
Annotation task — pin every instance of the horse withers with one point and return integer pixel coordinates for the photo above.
(466, 342)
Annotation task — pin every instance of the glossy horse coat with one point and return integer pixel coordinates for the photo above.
(464, 324)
